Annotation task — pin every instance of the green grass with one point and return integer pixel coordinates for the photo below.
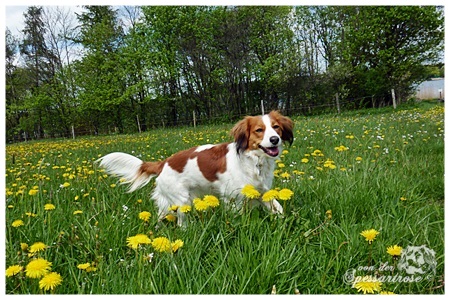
(391, 155)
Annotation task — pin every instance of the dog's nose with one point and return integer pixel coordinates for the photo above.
(274, 140)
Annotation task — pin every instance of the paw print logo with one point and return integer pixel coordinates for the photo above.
(417, 260)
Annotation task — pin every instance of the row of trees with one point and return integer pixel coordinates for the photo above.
(130, 68)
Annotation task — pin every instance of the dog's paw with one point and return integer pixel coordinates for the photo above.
(275, 207)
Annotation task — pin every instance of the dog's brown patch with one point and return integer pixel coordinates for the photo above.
(286, 126)
(151, 168)
(179, 160)
(213, 161)
(210, 161)
(248, 133)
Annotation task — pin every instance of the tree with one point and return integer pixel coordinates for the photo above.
(59, 24)
(13, 85)
(133, 59)
(270, 39)
(388, 47)
(99, 77)
(38, 61)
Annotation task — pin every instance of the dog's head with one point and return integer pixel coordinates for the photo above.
(263, 134)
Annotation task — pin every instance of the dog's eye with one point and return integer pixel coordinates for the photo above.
(259, 130)
(275, 126)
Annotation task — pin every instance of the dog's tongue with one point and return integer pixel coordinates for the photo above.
(273, 151)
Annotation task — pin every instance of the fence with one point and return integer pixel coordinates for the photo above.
(335, 105)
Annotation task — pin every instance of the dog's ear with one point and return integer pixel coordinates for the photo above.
(240, 134)
(287, 126)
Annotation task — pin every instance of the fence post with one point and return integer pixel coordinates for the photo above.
(337, 103)
(138, 123)
(262, 107)
(193, 117)
(73, 132)
(393, 98)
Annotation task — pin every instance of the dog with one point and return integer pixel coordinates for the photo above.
(222, 169)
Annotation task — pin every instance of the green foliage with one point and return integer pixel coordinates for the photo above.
(389, 45)
(150, 66)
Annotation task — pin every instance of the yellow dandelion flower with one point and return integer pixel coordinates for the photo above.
(285, 175)
(64, 185)
(33, 192)
(211, 200)
(329, 214)
(250, 192)
(145, 216)
(370, 235)
(317, 152)
(112, 185)
(305, 160)
(329, 164)
(368, 284)
(386, 293)
(359, 158)
(49, 206)
(77, 212)
(281, 165)
(37, 268)
(201, 205)
(17, 223)
(395, 251)
(276, 172)
(341, 148)
(162, 244)
(285, 194)
(91, 269)
(270, 195)
(171, 218)
(177, 245)
(402, 199)
(185, 208)
(84, 266)
(24, 246)
(285, 151)
(36, 247)
(173, 207)
(50, 281)
(138, 239)
(13, 270)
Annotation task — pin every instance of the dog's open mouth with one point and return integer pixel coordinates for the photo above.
(271, 151)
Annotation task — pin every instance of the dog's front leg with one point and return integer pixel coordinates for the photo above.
(273, 206)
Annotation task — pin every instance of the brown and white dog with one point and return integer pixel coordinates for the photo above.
(222, 169)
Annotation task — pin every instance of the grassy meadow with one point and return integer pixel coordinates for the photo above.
(371, 169)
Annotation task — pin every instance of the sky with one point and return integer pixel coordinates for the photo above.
(14, 18)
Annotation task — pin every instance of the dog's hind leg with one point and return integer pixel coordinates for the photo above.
(164, 201)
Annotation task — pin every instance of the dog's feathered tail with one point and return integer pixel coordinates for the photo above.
(134, 171)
